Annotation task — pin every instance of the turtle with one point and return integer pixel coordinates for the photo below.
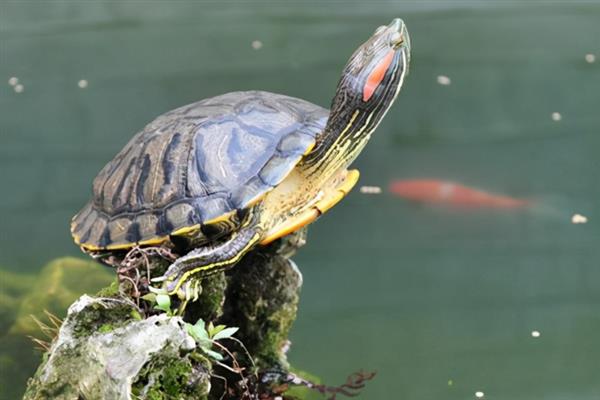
(242, 169)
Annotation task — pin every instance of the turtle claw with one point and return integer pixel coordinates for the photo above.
(187, 291)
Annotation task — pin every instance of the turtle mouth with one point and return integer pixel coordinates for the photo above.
(396, 24)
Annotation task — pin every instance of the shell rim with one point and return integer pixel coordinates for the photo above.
(156, 240)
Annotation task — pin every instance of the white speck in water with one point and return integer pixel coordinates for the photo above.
(590, 58)
(443, 80)
(370, 189)
(257, 44)
(556, 116)
(479, 395)
(535, 334)
(82, 83)
(578, 219)
(13, 81)
(19, 88)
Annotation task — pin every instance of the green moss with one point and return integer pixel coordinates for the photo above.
(55, 389)
(262, 300)
(101, 318)
(111, 290)
(105, 328)
(172, 378)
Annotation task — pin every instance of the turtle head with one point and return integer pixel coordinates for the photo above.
(373, 75)
(369, 84)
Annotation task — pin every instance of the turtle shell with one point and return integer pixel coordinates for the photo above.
(195, 166)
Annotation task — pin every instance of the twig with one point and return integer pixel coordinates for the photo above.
(226, 387)
(56, 321)
(351, 388)
(45, 329)
(247, 353)
(42, 345)
(236, 369)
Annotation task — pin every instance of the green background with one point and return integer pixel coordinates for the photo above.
(421, 294)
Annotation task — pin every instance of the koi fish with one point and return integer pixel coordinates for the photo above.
(435, 191)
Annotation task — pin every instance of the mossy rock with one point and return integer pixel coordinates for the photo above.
(151, 358)
(58, 284)
(167, 377)
(262, 300)
(105, 350)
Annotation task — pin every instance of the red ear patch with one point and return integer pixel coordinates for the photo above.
(376, 76)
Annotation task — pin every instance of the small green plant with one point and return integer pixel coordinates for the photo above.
(207, 336)
(162, 302)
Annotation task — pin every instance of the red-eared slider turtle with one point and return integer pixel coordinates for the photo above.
(241, 169)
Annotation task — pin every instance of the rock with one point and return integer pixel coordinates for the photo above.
(58, 284)
(104, 352)
(262, 300)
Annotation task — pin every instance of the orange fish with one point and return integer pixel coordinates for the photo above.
(453, 194)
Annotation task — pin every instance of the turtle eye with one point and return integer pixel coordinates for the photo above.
(380, 29)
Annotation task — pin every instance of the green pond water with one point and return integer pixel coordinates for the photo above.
(441, 302)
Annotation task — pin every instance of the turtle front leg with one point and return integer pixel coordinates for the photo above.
(182, 276)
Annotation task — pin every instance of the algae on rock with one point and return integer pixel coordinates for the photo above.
(149, 356)
(262, 300)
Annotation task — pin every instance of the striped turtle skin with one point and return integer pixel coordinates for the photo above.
(198, 166)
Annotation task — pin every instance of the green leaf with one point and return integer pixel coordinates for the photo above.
(189, 328)
(225, 333)
(163, 302)
(200, 325)
(201, 334)
(216, 329)
(136, 315)
(198, 332)
(213, 354)
(151, 297)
